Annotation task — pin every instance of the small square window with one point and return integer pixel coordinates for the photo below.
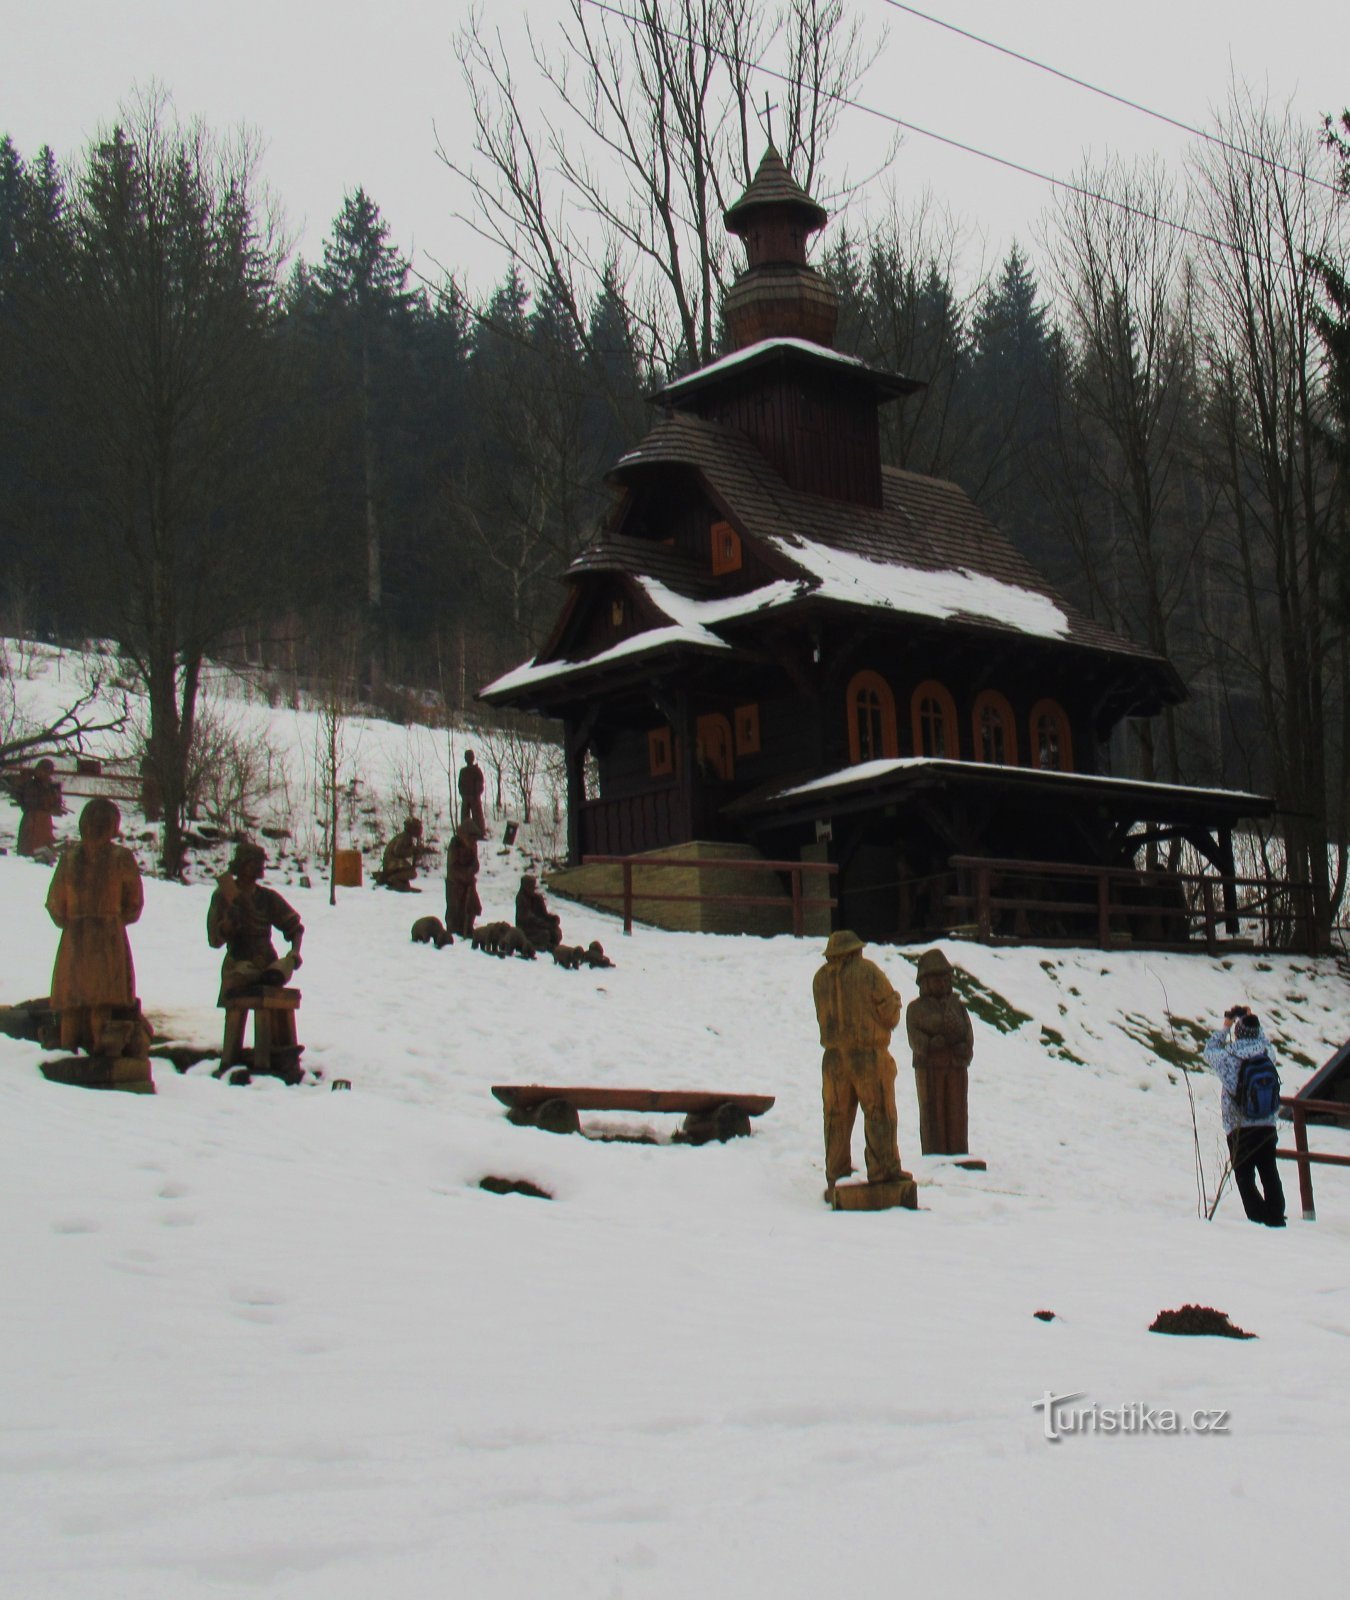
(746, 722)
(726, 548)
(660, 758)
(616, 613)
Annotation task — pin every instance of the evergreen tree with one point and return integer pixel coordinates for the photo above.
(1013, 358)
(362, 288)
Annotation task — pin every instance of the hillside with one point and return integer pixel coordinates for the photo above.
(269, 1341)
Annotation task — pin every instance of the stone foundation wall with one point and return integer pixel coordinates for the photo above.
(692, 916)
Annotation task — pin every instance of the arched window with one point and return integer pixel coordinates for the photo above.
(871, 718)
(934, 717)
(1051, 743)
(995, 730)
(715, 747)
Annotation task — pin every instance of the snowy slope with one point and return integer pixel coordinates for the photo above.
(277, 1342)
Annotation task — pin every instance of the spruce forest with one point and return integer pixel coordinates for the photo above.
(211, 448)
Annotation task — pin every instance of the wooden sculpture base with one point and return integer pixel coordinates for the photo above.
(130, 1074)
(876, 1196)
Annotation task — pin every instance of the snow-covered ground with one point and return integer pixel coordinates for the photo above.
(259, 1341)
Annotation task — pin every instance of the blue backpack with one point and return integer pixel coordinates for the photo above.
(1258, 1089)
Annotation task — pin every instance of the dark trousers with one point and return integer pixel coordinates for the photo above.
(1253, 1153)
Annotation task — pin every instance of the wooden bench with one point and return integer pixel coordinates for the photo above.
(707, 1114)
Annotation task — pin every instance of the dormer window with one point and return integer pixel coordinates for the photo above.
(726, 548)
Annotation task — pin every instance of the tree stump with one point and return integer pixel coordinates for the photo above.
(727, 1121)
(553, 1116)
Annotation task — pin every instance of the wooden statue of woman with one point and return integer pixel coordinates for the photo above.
(943, 1042)
(39, 797)
(95, 893)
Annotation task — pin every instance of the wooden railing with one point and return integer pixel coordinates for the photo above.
(637, 822)
(796, 869)
(1300, 1111)
(1177, 899)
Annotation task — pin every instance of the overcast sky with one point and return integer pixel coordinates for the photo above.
(346, 92)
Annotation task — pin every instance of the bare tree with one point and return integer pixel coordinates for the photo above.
(160, 305)
(1124, 286)
(24, 736)
(1271, 221)
(648, 129)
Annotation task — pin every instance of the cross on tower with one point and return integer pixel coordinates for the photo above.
(768, 116)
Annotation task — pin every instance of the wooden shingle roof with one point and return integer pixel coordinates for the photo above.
(924, 523)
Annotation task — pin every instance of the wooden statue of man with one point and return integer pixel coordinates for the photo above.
(95, 894)
(39, 797)
(242, 914)
(542, 927)
(462, 904)
(399, 866)
(943, 1042)
(857, 1009)
(471, 786)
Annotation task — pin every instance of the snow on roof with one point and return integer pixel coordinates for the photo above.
(702, 614)
(688, 632)
(689, 625)
(752, 352)
(871, 771)
(853, 579)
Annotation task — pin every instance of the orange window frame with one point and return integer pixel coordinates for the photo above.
(727, 555)
(716, 746)
(869, 695)
(1056, 713)
(991, 700)
(941, 697)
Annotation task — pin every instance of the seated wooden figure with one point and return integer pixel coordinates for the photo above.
(399, 866)
(39, 797)
(542, 927)
(242, 914)
(942, 1042)
(95, 894)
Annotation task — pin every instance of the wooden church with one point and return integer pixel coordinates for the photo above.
(780, 644)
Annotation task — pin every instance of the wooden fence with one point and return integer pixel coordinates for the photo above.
(1300, 1111)
(1127, 907)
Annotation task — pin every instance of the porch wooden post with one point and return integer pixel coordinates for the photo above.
(983, 914)
(688, 762)
(1230, 895)
(576, 795)
(798, 927)
(628, 896)
(1103, 911)
(1211, 932)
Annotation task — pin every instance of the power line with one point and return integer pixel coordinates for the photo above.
(1109, 94)
(1067, 184)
